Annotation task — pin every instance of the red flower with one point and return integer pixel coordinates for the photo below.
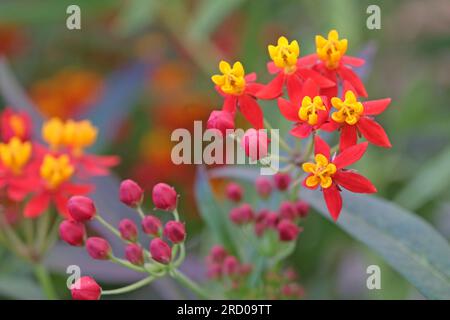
(290, 71)
(239, 91)
(353, 117)
(54, 187)
(310, 114)
(330, 60)
(331, 174)
(15, 124)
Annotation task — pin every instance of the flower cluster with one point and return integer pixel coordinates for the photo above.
(46, 174)
(165, 249)
(312, 84)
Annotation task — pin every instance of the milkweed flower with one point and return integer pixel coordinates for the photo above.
(55, 186)
(14, 124)
(291, 71)
(239, 91)
(310, 114)
(330, 174)
(86, 288)
(332, 62)
(353, 117)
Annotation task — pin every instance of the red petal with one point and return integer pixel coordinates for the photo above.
(288, 109)
(349, 75)
(37, 205)
(250, 77)
(320, 146)
(321, 81)
(307, 60)
(354, 182)
(330, 126)
(349, 137)
(353, 61)
(251, 111)
(273, 89)
(333, 200)
(302, 130)
(373, 132)
(375, 107)
(310, 88)
(348, 87)
(350, 155)
(272, 68)
(61, 204)
(229, 104)
(77, 189)
(294, 88)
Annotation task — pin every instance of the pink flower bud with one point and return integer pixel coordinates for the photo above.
(175, 231)
(160, 251)
(164, 197)
(263, 187)
(287, 230)
(288, 210)
(135, 254)
(260, 227)
(255, 143)
(217, 254)
(130, 193)
(221, 121)
(282, 181)
(234, 192)
(98, 248)
(151, 225)
(81, 208)
(128, 230)
(302, 208)
(271, 220)
(241, 215)
(230, 266)
(72, 232)
(85, 288)
(214, 271)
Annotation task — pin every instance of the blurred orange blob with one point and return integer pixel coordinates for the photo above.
(67, 93)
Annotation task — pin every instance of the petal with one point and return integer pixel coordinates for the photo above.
(310, 89)
(250, 77)
(302, 130)
(349, 75)
(273, 89)
(61, 204)
(294, 88)
(253, 88)
(229, 104)
(330, 126)
(349, 137)
(307, 60)
(37, 205)
(353, 61)
(347, 86)
(333, 200)
(251, 111)
(321, 147)
(272, 68)
(354, 182)
(373, 132)
(375, 107)
(288, 109)
(350, 155)
(320, 80)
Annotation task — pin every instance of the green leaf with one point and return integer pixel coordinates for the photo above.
(209, 15)
(432, 180)
(19, 287)
(212, 213)
(407, 242)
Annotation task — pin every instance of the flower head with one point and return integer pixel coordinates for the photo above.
(309, 110)
(349, 110)
(331, 50)
(56, 170)
(285, 54)
(15, 154)
(14, 124)
(232, 79)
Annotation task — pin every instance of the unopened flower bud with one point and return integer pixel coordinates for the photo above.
(214, 271)
(230, 266)
(255, 143)
(234, 192)
(288, 210)
(302, 208)
(217, 254)
(271, 220)
(263, 187)
(221, 121)
(98, 248)
(164, 197)
(151, 225)
(287, 230)
(175, 231)
(72, 232)
(128, 230)
(86, 288)
(282, 181)
(135, 254)
(241, 215)
(130, 193)
(160, 251)
(81, 208)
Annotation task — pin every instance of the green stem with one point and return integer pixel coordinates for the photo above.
(141, 212)
(45, 281)
(188, 283)
(126, 264)
(108, 226)
(131, 287)
(283, 143)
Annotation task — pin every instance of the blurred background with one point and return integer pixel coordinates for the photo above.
(141, 68)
